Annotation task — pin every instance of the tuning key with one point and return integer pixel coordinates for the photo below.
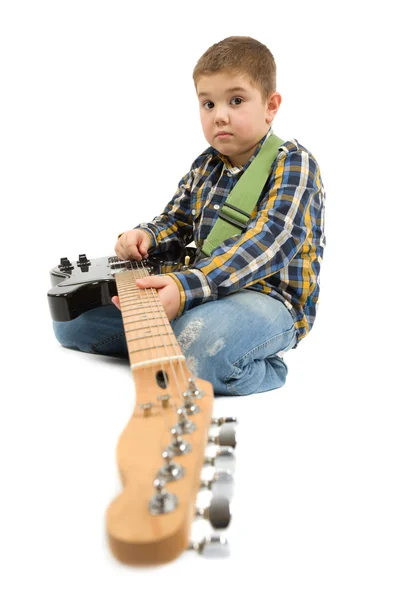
(211, 546)
(223, 457)
(218, 512)
(226, 436)
(222, 420)
(221, 483)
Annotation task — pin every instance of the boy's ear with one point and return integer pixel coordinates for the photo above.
(272, 106)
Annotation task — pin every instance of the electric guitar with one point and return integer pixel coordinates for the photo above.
(165, 445)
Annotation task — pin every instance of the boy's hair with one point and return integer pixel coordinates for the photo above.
(240, 55)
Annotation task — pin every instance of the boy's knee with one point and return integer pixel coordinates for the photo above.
(63, 333)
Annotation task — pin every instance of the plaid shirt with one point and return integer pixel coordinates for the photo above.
(280, 251)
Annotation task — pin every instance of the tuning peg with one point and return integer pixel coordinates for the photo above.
(226, 436)
(190, 395)
(223, 458)
(170, 471)
(193, 389)
(221, 420)
(162, 502)
(190, 407)
(178, 446)
(218, 512)
(184, 424)
(211, 546)
(221, 483)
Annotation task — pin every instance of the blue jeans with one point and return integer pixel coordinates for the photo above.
(232, 342)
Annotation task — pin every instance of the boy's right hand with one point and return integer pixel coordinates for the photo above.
(133, 244)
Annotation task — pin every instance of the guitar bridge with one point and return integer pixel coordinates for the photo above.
(117, 263)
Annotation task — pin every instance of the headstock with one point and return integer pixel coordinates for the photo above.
(160, 456)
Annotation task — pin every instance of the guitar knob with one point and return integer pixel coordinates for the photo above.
(221, 483)
(223, 458)
(226, 436)
(218, 512)
(211, 546)
(221, 420)
(83, 261)
(65, 264)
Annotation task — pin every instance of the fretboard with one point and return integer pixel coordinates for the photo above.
(149, 335)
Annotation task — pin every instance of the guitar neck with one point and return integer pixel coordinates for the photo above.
(149, 335)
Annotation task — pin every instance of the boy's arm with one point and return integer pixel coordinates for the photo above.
(175, 223)
(272, 238)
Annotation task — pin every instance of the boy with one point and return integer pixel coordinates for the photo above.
(235, 312)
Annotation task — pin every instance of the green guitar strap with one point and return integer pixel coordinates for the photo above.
(235, 213)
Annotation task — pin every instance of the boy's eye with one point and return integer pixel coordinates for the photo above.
(236, 98)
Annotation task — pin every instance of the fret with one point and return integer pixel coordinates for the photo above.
(154, 348)
(153, 309)
(148, 319)
(129, 292)
(143, 337)
(136, 314)
(142, 313)
(147, 327)
(136, 307)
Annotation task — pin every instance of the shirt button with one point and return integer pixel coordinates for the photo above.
(216, 206)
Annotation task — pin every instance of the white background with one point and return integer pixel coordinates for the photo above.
(99, 121)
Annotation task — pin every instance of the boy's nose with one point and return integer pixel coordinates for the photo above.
(221, 118)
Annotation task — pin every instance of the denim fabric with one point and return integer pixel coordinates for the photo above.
(232, 342)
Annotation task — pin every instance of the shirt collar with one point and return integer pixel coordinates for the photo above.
(231, 168)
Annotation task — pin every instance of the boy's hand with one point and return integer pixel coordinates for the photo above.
(168, 293)
(133, 244)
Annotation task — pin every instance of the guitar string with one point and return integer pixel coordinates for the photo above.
(129, 286)
(172, 337)
(167, 326)
(168, 333)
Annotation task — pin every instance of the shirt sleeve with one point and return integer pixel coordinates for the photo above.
(275, 233)
(175, 223)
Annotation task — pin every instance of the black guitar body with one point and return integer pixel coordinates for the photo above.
(90, 283)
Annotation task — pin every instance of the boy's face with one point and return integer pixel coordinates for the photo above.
(240, 113)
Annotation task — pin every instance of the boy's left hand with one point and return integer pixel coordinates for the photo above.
(168, 293)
